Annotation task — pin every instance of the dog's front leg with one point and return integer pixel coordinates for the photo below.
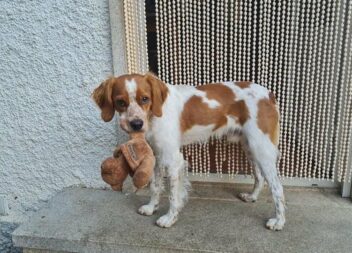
(178, 192)
(156, 187)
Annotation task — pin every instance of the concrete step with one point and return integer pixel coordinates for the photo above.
(214, 220)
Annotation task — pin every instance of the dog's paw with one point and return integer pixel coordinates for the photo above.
(275, 224)
(246, 197)
(147, 210)
(166, 221)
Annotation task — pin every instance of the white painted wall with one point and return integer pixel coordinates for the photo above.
(52, 55)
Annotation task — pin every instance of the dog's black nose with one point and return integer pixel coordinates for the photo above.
(136, 124)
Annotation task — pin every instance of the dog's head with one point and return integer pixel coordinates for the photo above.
(135, 97)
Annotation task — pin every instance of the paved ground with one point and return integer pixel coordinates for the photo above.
(214, 220)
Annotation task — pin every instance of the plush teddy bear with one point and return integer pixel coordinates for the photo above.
(134, 157)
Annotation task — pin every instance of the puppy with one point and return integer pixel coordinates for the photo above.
(177, 115)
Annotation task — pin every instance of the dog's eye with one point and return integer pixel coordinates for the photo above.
(120, 103)
(145, 100)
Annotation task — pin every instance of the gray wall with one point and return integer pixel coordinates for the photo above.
(52, 55)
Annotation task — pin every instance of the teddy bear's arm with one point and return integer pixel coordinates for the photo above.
(144, 171)
(117, 152)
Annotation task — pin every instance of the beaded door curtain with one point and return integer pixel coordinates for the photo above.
(300, 50)
(136, 36)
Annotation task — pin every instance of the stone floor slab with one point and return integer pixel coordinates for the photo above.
(214, 220)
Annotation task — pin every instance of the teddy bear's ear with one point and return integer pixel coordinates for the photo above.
(102, 96)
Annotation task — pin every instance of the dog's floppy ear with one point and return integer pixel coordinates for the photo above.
(159, 93)
(102, 96)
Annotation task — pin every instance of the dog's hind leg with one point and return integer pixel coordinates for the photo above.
(156, 187)
(258, 186)
(265, 154)
(258, 177)
(268, 169)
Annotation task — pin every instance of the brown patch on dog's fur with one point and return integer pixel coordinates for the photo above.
(196, 112)
(268, 119)
(243, 84)
(239, 109)
(272, 97)
(144, 90)
(221, 93)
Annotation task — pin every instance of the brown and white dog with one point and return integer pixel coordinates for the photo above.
(176, 115)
